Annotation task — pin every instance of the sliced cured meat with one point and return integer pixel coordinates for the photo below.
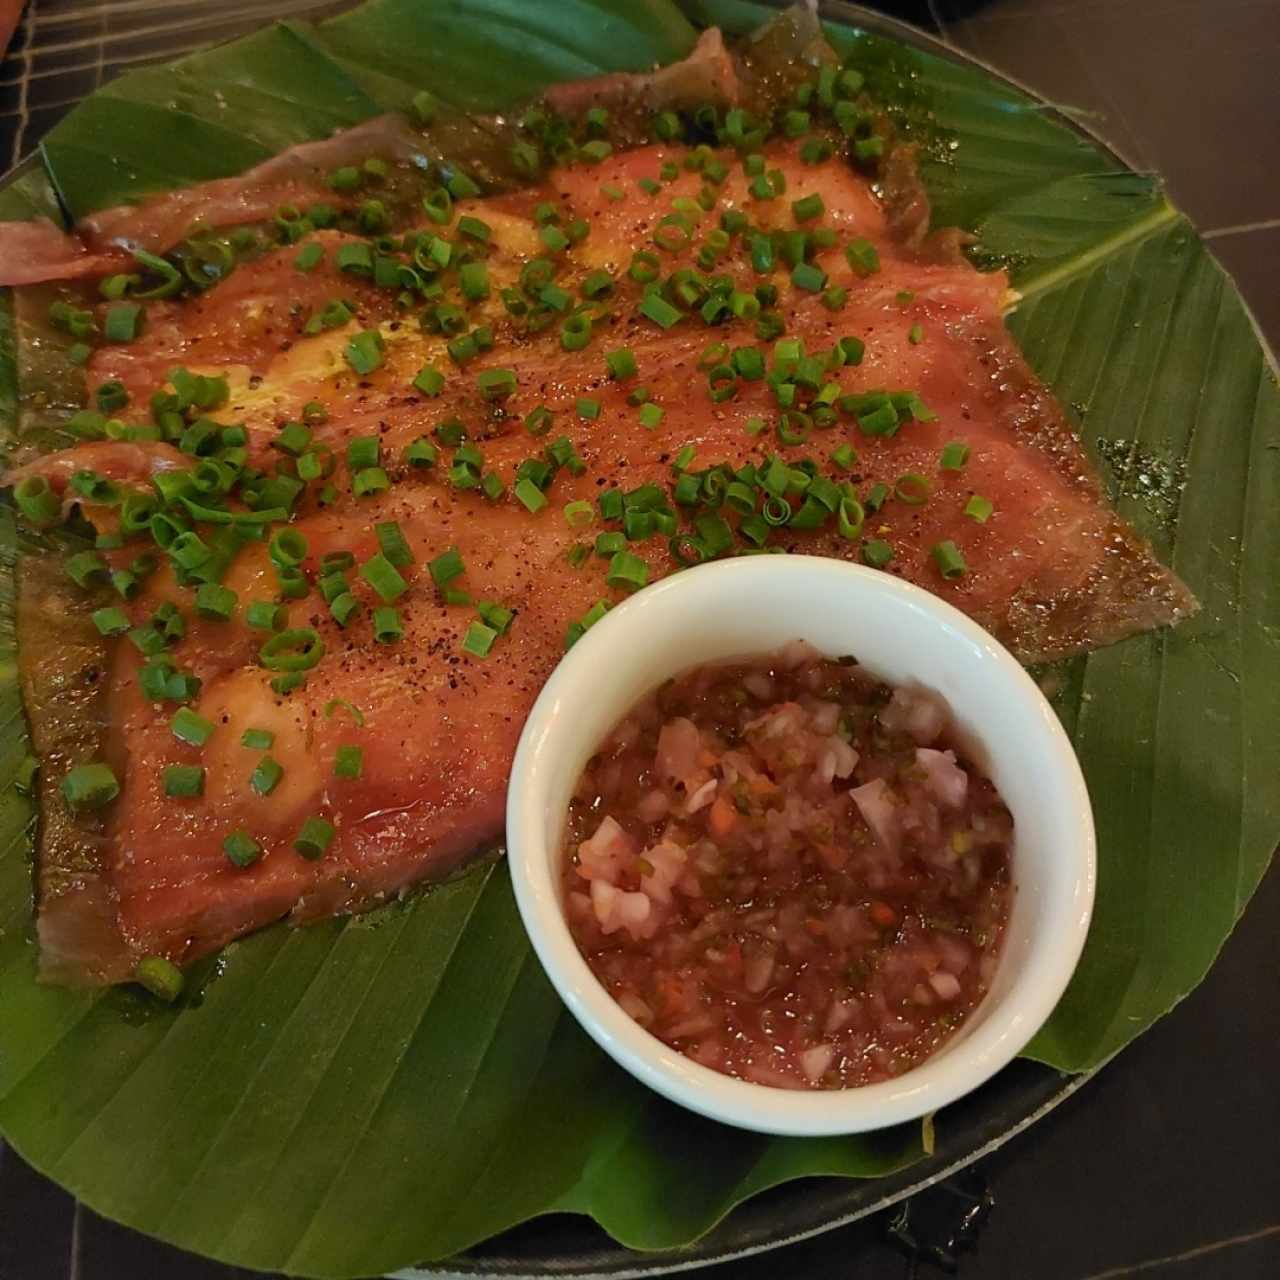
(434, 715)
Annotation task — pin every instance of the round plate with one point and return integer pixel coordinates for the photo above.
(564, 1245)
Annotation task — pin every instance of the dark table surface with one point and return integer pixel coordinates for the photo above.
(1167, 1164)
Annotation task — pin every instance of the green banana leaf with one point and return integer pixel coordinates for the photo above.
(364, 1094)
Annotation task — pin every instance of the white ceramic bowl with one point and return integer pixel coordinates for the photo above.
(903, 634)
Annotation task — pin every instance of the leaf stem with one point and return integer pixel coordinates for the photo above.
(1065, 271)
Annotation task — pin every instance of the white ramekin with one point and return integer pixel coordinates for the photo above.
(903, 634)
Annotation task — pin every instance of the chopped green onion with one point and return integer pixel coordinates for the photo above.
(122, 322)
(298, 649)
(159, 976)
(37, 501)
(387, 626)
(242, 848)
(530, 495)
(621, 363)
(950, 562)
(496, 384)
(364, 351)
(809, 277)
(266, 616)
(86, 567)
(266, 776)
(577, 515)
(392, 542)
(479, 640)
(877, 553)
(915, 335)
(979, 508)
(446, 567)
(90, 786)
(588, 409)
(475, 228)
(111, 621)
(627, 570)
(597, 284)
(288, 548)
(807, 208)
(309, 257)
(954, 456)
(190, 728)
(421, 453)
(495, 615)
(473, 278)
(850, 518)
(314, 837)
(215, 602)
(343, 607)
(650, 416)
(384, 578)
(348, 762)
(912, 488)
(862, 256)
(659, 310)
(183, 780)
(257, 739)
(430, 381)
(369, 481)
(111, 396)
(575, 332)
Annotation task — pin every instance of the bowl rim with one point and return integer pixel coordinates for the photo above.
(939, 1079)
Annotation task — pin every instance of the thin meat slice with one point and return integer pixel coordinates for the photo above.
(36, 250)
(708, 74)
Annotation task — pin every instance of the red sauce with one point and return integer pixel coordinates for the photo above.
(788, 871)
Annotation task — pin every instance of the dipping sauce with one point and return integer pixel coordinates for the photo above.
(787, 870)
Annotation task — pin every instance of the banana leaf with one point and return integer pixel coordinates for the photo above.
(364, 1094)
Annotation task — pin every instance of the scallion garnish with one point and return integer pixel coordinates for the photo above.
(314, 837)
(912, 488)
(183, 781)
(37, 501)
(979, 508)
(190, 728)
(161, 977)
(90, 786)
(446, 567)
(478, 640)
(242, 848)
(530, 495)
(951, 564)
(215, 602)
(297, 649)
(621, 363)
(877, 553)
(364, 351)
(430, 381)
(384, 578)
(656, 308)
(348, 762)
(387, 626)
